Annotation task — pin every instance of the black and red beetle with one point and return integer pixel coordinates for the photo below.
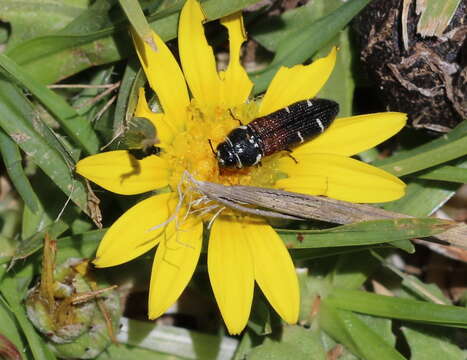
(281, 130)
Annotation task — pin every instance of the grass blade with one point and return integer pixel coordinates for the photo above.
(12, 159)
(76, 126)
(446, 173)
(397, 308)
(351, 331)
(16, 120)
(301, 44)
(54, 57)
(365, 233)
(439, 151)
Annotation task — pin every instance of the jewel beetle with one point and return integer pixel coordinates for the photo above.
(246, 145)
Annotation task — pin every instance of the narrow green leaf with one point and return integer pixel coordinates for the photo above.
(445, 173)
(34, 243)
(137, 19)
(12, 160)
(30, 19)
(441, 150)
(301, 44)
(365, 233)
(429, 342)
(423, 197)
(132, 80)
(341, 84)
(349, 330)
(54, 57)
(435, 16)
(398, 308)
(16, 119)
(77, 127)
(10, 327)
(319, 253)
(270, 30)
(413, 287)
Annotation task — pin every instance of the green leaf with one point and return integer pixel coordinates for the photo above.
(307, 340)
(435, 17)
(302, 43)
(349, 330)
(445, 173)
(16, 119)
(133, 79)
(34, 243)
(393, 307)
(277, 351)
(365, 233)
(429, 342)
(54, 57)
(12, 159)
(271, 30)
(137, 20)
(341, 84)
(10, 327)
(414, 288)
(352, 270)
(76, 126)
(439, 151)
(319, 253)
(423, 197)
(30, 19)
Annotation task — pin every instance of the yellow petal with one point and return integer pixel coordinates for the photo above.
(236, 85)
(352, 135)
(165, 129)
(230, 268)
(345, 178)
(300, 82)
(274, 270)
(165, 77)
(197, 58)
(174, 264)
(131, 235)
(121, 173)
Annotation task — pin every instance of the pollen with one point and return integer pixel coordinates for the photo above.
(191, 150)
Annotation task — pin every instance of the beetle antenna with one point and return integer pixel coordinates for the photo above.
(212, 148)
(236, 118)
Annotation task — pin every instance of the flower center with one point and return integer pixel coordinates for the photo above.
(190, 150)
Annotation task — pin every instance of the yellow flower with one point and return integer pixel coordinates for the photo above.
(242, 249)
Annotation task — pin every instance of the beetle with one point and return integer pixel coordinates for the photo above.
(247, 144)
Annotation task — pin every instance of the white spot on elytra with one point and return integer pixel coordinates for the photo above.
(243, 127)
(258, 159)
(239, 162)
(299, 134)
(309, 103)
(320, 124)
(287, 109)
